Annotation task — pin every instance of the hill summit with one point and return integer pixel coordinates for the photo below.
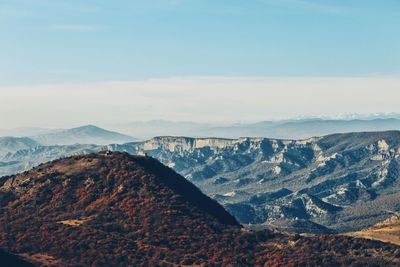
(113, 209)
(88, 134)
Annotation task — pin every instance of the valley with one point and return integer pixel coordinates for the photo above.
(337, 183)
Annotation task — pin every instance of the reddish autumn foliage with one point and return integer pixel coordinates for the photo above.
(121, 210)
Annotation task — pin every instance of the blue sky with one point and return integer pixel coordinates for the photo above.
(63, 61)
(71, 41)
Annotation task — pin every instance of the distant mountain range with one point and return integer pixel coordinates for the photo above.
(88, 134)
(286, 129)
(336, 183)
(24, 131)
(83, 135)
(114, 209)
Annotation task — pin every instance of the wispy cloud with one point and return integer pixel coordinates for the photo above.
(75, 28)
(308, 5)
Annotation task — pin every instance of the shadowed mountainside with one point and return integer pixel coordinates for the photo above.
(9, 260)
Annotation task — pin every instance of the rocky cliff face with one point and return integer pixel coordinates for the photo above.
(185, 144)
(330, 179)
(344, 182)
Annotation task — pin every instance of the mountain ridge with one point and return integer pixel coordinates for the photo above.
(346, 171)
(88, 134)
(284, 129)
(11, 144)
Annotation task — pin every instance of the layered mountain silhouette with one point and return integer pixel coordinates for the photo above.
(114, 209)
(284, 129)
(88, 134)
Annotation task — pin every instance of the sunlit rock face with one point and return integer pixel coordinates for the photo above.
(341, 181)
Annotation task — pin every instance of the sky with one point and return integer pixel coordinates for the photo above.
(200, 99)
(191, 49)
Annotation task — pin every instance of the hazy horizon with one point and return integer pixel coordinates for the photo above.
(338, 117)
(199, 99)
(67, 63)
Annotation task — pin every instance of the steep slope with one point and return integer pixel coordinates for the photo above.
(88, 134)
(386, 231)
(112, 209)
